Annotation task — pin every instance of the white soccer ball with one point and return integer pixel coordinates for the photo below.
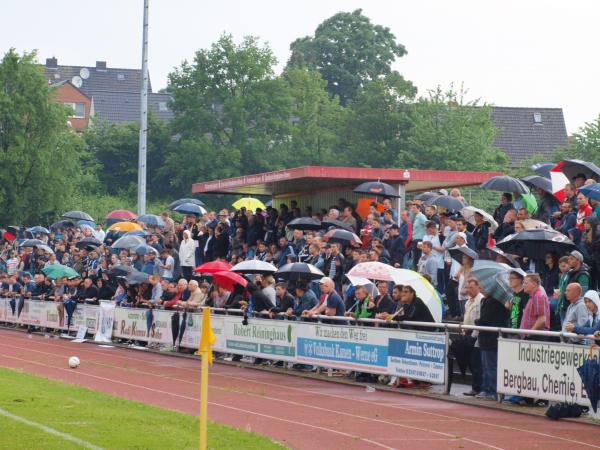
(74, 362)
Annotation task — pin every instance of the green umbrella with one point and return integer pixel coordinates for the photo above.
(59, 271)
(530, 202)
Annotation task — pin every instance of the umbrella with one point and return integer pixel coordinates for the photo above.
(175, 327)
(121, 214)
(144, 249)
(505, 257)
(591, 191)
(149, 321)
(538, 182)
(589, 372)
(78, 215)
(137, 277)
(425, 291)
(573, 167)
(328, 223)
(296, 271)
(141, 233)
(152, 220)
(128, 242)
(468, 212)
(63, 224)
(254, 266)
(377, 188)
(491, 279)
(190, 208)
(70, 306)
(227, 280)
(360, 281)
(457, 253)
(559, 181)
(344, 237)
(38, 229)
(447, 201)
(373, 270)
(213, 267)
(56, 271)
(543, 169)
(86, 224)
(426, 197)
(250, 203)
(45, 248)
(31, 243)
(121, 270)
(124, 226)
(504, 183)
(532, 224)
(88, 241)
(181, 201)
(530, 202)
(305, 223)
(536, 243)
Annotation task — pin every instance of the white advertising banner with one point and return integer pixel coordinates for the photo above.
(543, 370)
(106, 318)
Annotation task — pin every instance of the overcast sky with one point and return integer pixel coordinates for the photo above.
(506, 52)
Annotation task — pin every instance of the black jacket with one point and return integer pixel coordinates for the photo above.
(416, 311)
(493, 314)
(284, 303)
(384, 304)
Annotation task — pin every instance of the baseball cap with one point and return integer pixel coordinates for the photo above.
(326, 280)
(577, 255)
(462, 235)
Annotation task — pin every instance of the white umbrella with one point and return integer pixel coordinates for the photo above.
(468, 212)
(254, 266)
(373, 270)
(425, 291)
(360, 281)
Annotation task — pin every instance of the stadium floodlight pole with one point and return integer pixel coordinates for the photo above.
(141, 197)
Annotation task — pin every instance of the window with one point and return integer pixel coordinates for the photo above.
(537, 117)
(78, 109)
(162, 106)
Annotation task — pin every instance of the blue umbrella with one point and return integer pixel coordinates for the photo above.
(70, 306)
(190, 208)
(181, 201)
(590, 377)
(591, 191)
(128, 242)
(141, 233)
(86, 223)
(144, 249)
(149, 321)
(38, 229)
(152, 220)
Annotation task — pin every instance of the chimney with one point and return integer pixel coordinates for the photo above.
(101, 66)
(52, 63)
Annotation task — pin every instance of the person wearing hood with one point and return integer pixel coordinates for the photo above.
(187, 254)
(592, 324)
(577, 312)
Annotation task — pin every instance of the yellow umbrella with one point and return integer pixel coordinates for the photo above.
(249, 203)
(124, 226)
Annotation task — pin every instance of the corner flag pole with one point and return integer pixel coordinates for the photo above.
(205, 351)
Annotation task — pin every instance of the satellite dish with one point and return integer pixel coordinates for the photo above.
(84, 73)
(77, 81)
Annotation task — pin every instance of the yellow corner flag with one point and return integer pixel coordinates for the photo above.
(205, 351)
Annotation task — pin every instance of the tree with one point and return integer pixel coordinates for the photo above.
(449, 133)
(348, 50)
(315, 116)
(376, 125)
(39, 153)
(230, 100)
(585, 144)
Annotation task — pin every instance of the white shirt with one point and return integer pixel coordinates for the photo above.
(168, 273)
(435, 243)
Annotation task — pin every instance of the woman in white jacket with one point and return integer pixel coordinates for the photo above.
(187, 254)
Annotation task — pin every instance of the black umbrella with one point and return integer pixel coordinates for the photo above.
(296, 271)
(377, 189)
(31, 243)
(426, 197)
(536, 243)
(328, 223)
(305, 223)
(88, 241)
(78, 215)
(121, 270)
(538, 182)
(448, 202)
(19, 306)
(573, 167)
(62, 224)
(182, 326)
(181, 201)
(504, 183)
(458, 252)
(543, 169)
(137, 277)
(498, 255)
(190, 208)
(149, 321)
(175, 327)
(343, 237)
(590, 377)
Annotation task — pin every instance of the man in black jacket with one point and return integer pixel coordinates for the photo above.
(284, 299)
(413, 309)
(493, 314)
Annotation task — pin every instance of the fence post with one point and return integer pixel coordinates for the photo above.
(447, 364)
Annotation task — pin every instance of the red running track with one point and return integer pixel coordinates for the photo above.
(299, 412)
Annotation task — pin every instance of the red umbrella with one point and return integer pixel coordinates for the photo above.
(213, 267)
(121, 214)
(227, 280)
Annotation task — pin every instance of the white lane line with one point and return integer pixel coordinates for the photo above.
(52, 431)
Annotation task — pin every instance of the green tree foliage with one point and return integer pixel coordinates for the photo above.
(585, 144)
(376, 124)
(39, 153)
(348, 50)
(451, 133)
(230, 104)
